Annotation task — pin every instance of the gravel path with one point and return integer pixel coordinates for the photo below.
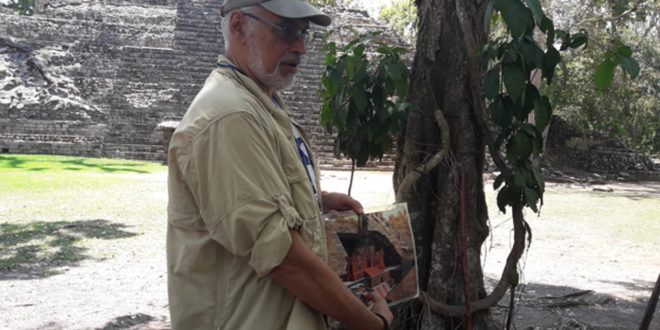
(582, 281)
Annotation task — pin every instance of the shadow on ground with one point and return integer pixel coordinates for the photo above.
(542, 306)
(39, 249)
(71, 165)
(128, 321)
(79, 164)
(131, 321)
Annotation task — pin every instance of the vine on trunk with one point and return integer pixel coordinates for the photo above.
(511, 63)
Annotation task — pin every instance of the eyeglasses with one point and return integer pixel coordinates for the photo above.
(287, 34)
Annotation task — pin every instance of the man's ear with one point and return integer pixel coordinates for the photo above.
(237, 27)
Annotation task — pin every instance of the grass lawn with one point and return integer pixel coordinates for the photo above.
(620, 216)
(59, 211)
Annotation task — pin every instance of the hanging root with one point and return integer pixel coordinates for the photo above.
(413, 176)
(499, 291)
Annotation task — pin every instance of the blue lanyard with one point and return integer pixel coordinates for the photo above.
(231, 67)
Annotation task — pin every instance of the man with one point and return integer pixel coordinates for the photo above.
(245, 242)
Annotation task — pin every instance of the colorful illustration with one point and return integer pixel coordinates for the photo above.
(374, 251)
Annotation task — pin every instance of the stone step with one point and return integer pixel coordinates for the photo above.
(137, 155)
(123, 139)
(145, 148)
(50, 138)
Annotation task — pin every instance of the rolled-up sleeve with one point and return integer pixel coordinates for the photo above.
(237, 179)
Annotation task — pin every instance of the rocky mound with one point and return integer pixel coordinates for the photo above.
(573, 156)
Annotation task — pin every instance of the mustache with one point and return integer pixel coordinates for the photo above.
(291, 59)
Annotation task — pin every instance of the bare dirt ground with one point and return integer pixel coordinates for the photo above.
(574, 277)
(581, 281)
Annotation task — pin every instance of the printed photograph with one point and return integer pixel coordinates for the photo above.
(374, 251)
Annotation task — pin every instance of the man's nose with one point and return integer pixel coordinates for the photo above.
(298, 46)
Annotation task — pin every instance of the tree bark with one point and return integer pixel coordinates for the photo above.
(443, 81)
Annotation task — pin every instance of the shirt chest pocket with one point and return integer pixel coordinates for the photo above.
(302, 193)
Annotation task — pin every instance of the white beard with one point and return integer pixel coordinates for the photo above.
(273, 80)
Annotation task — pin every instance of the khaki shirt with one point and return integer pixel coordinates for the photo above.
(236, 185)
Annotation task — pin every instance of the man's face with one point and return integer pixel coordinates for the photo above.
(272, 59)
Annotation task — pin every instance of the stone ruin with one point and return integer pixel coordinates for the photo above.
(112, 78)
(569, 152)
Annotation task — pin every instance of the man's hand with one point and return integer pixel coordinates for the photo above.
(309, 278)
(340, 202)
(379, 306)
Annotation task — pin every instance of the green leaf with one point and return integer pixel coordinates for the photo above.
(501, 111)
(325, 117)
(604, 74)
(492, 83)
(488, 14)
(497, 111)
(402, 88)
(395, 73)
(532, 54)
(357, 93)
(529, 176)
(510, 109)
(350, 45)
(501, 4)
(507, 195)
(546, 25)
(342, 110)
(518, 18)
(531, 198)
(550, 39)
(518, 111)
(630, 66)
(398, 51)
(529, 130)
(535, 7)
(378, 97)
(359, 50)
(519, 178)
(539, 181)
(488, 53)
(381, 134)
(531, 95)
(550, 60)
(331, 58)
(503, 136)
(523, 145)
(363, 154)
(549, 29)
(565, 40)
(502, 201)
(578, 40)
(360, 100)
(542, 113)
(383, 49)
(624, 50)
(514, 80)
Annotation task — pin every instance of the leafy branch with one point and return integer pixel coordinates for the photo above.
(362, 97)
(23, 7)
(512, 62)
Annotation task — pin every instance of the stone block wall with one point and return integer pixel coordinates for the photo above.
(114, 71)
(81, 47)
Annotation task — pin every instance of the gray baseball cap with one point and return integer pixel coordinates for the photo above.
(286, 8)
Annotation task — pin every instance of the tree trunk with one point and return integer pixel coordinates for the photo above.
(447, 125)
